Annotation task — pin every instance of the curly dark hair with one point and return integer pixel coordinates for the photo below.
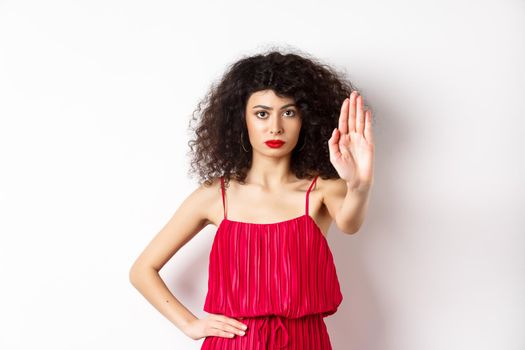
(317, 89)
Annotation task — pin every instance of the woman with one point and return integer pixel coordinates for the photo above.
(284, 146)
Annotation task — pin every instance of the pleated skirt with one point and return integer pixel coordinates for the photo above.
(275, 332)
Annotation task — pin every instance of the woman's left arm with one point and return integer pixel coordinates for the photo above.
(346, 204)
(352, 155)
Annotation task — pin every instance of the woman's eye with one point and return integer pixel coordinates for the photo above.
(289, 115)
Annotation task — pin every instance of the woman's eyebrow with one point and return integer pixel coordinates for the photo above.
(266, 107)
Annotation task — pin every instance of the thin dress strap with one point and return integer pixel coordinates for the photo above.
(308, 193)
(222, 192)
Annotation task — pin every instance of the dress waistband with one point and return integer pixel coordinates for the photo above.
(267, 323)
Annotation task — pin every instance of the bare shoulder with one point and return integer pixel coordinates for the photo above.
(209, 199)
(203, 202)
(192, 215)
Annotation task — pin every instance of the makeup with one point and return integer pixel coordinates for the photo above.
(274, 143)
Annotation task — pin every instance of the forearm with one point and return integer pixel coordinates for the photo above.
(353, 209)
(149, 283)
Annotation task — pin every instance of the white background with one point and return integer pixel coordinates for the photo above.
(95, 99)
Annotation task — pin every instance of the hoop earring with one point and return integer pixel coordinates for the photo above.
(242, 144)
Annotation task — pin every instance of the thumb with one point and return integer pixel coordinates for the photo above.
(333, 143)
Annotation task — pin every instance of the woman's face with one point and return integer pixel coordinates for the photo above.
(270, 117)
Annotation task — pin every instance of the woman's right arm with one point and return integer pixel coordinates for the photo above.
(189, 219)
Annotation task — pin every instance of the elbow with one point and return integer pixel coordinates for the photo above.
(133, 275)
(349, 230)
(138, 272)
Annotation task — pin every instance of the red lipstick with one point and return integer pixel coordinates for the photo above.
(274, 143)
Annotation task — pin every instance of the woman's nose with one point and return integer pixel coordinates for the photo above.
(275, 125)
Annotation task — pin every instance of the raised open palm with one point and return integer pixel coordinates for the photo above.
(352, 145)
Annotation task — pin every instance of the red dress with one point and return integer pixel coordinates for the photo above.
(278, 278)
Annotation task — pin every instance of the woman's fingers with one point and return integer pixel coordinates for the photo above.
(333, 144)
(348, 114)
(352, 113)
(343, 116)
(351, 119)
(360, 115)
(218, 329)
(368, 127)
(228, 327)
